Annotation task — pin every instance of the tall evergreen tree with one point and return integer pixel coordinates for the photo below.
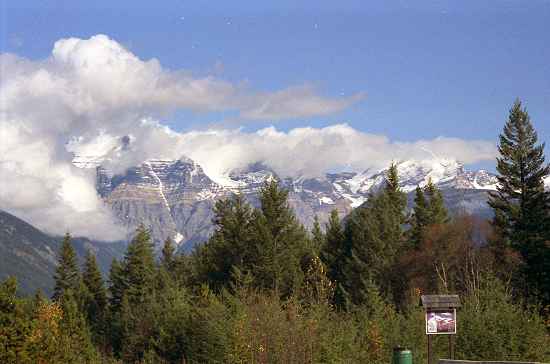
(437, 212)
(280, 242)
(396, 198)
(139, 266)
(429, 209)
(317, 234)
(230, 246)
(133, 284)
(521, 205)
(374, 236)
(96, 302)
(75, 344)
(15, 327)
(334, 255)
(117, 285)
(420, 217)
(67, 274)
(167, 257)
(117, 289)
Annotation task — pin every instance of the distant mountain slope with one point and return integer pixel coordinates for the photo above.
(26, 253)
(31, 255)
(174, 198)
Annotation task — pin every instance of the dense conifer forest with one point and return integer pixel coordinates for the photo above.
(263, 289)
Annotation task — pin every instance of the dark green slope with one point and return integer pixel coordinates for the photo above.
(30, 255)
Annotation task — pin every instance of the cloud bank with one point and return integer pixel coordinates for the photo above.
(90, 93)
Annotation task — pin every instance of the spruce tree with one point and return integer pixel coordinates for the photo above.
(317, 235)
(396, 198)
(75, 344)
(374, 236)
(139, 266)
(133, 287)
(117, 285)
(15, 325)
(167, 258)
(280, 242)
(67, 274)
(520, 203)
(117, 289)
(419, 218)
(96, 302)
(334, 255)
(437, 212)
(370, 251)
(230, 246)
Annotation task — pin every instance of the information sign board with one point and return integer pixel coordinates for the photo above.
(441, 321)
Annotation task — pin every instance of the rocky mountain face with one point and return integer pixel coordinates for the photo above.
(174, 198)
(31, 255)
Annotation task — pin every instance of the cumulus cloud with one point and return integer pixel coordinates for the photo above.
(89, 94)
(95, 89)
(53, 195)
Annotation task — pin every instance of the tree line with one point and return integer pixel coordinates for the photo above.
(264, 289)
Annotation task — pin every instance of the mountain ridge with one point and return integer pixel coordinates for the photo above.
(174, 198)
(31, 255)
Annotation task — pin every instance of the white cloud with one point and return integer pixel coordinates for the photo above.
(96, 89)
(298, 152)
(90, 93)
(53, 195)
(296, 102)
(301, 151)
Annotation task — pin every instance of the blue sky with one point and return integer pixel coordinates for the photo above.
(428, 68)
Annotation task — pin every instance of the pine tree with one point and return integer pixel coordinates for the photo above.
(396, 198)
(139, 266)
(522, 207)
(117, 285)
(117, 289)
(334, 255)
(167, 258)
(280, 242)
(437, 211)
(15, 326)
(228, 248)
(374, 236)
(367, 257)
(96, 302)
(419, 218)
(75, 344)
(133, 289)
(334, 249)
(317, 235)
(67, 274)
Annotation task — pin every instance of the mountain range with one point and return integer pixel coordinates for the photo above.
(174, 198)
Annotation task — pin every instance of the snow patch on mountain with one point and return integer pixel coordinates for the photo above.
(159, 182)
(326, 200)
(418, 173)
(178, 238)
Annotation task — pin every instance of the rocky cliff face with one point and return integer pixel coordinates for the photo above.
(175, 198)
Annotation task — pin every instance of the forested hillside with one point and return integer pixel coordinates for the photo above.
(31, 255)
(264, 289)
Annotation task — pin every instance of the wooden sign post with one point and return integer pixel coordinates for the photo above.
(440, 319)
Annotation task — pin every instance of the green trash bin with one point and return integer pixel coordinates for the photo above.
(402, 356)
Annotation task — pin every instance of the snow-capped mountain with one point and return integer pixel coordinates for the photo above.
(174, 198)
